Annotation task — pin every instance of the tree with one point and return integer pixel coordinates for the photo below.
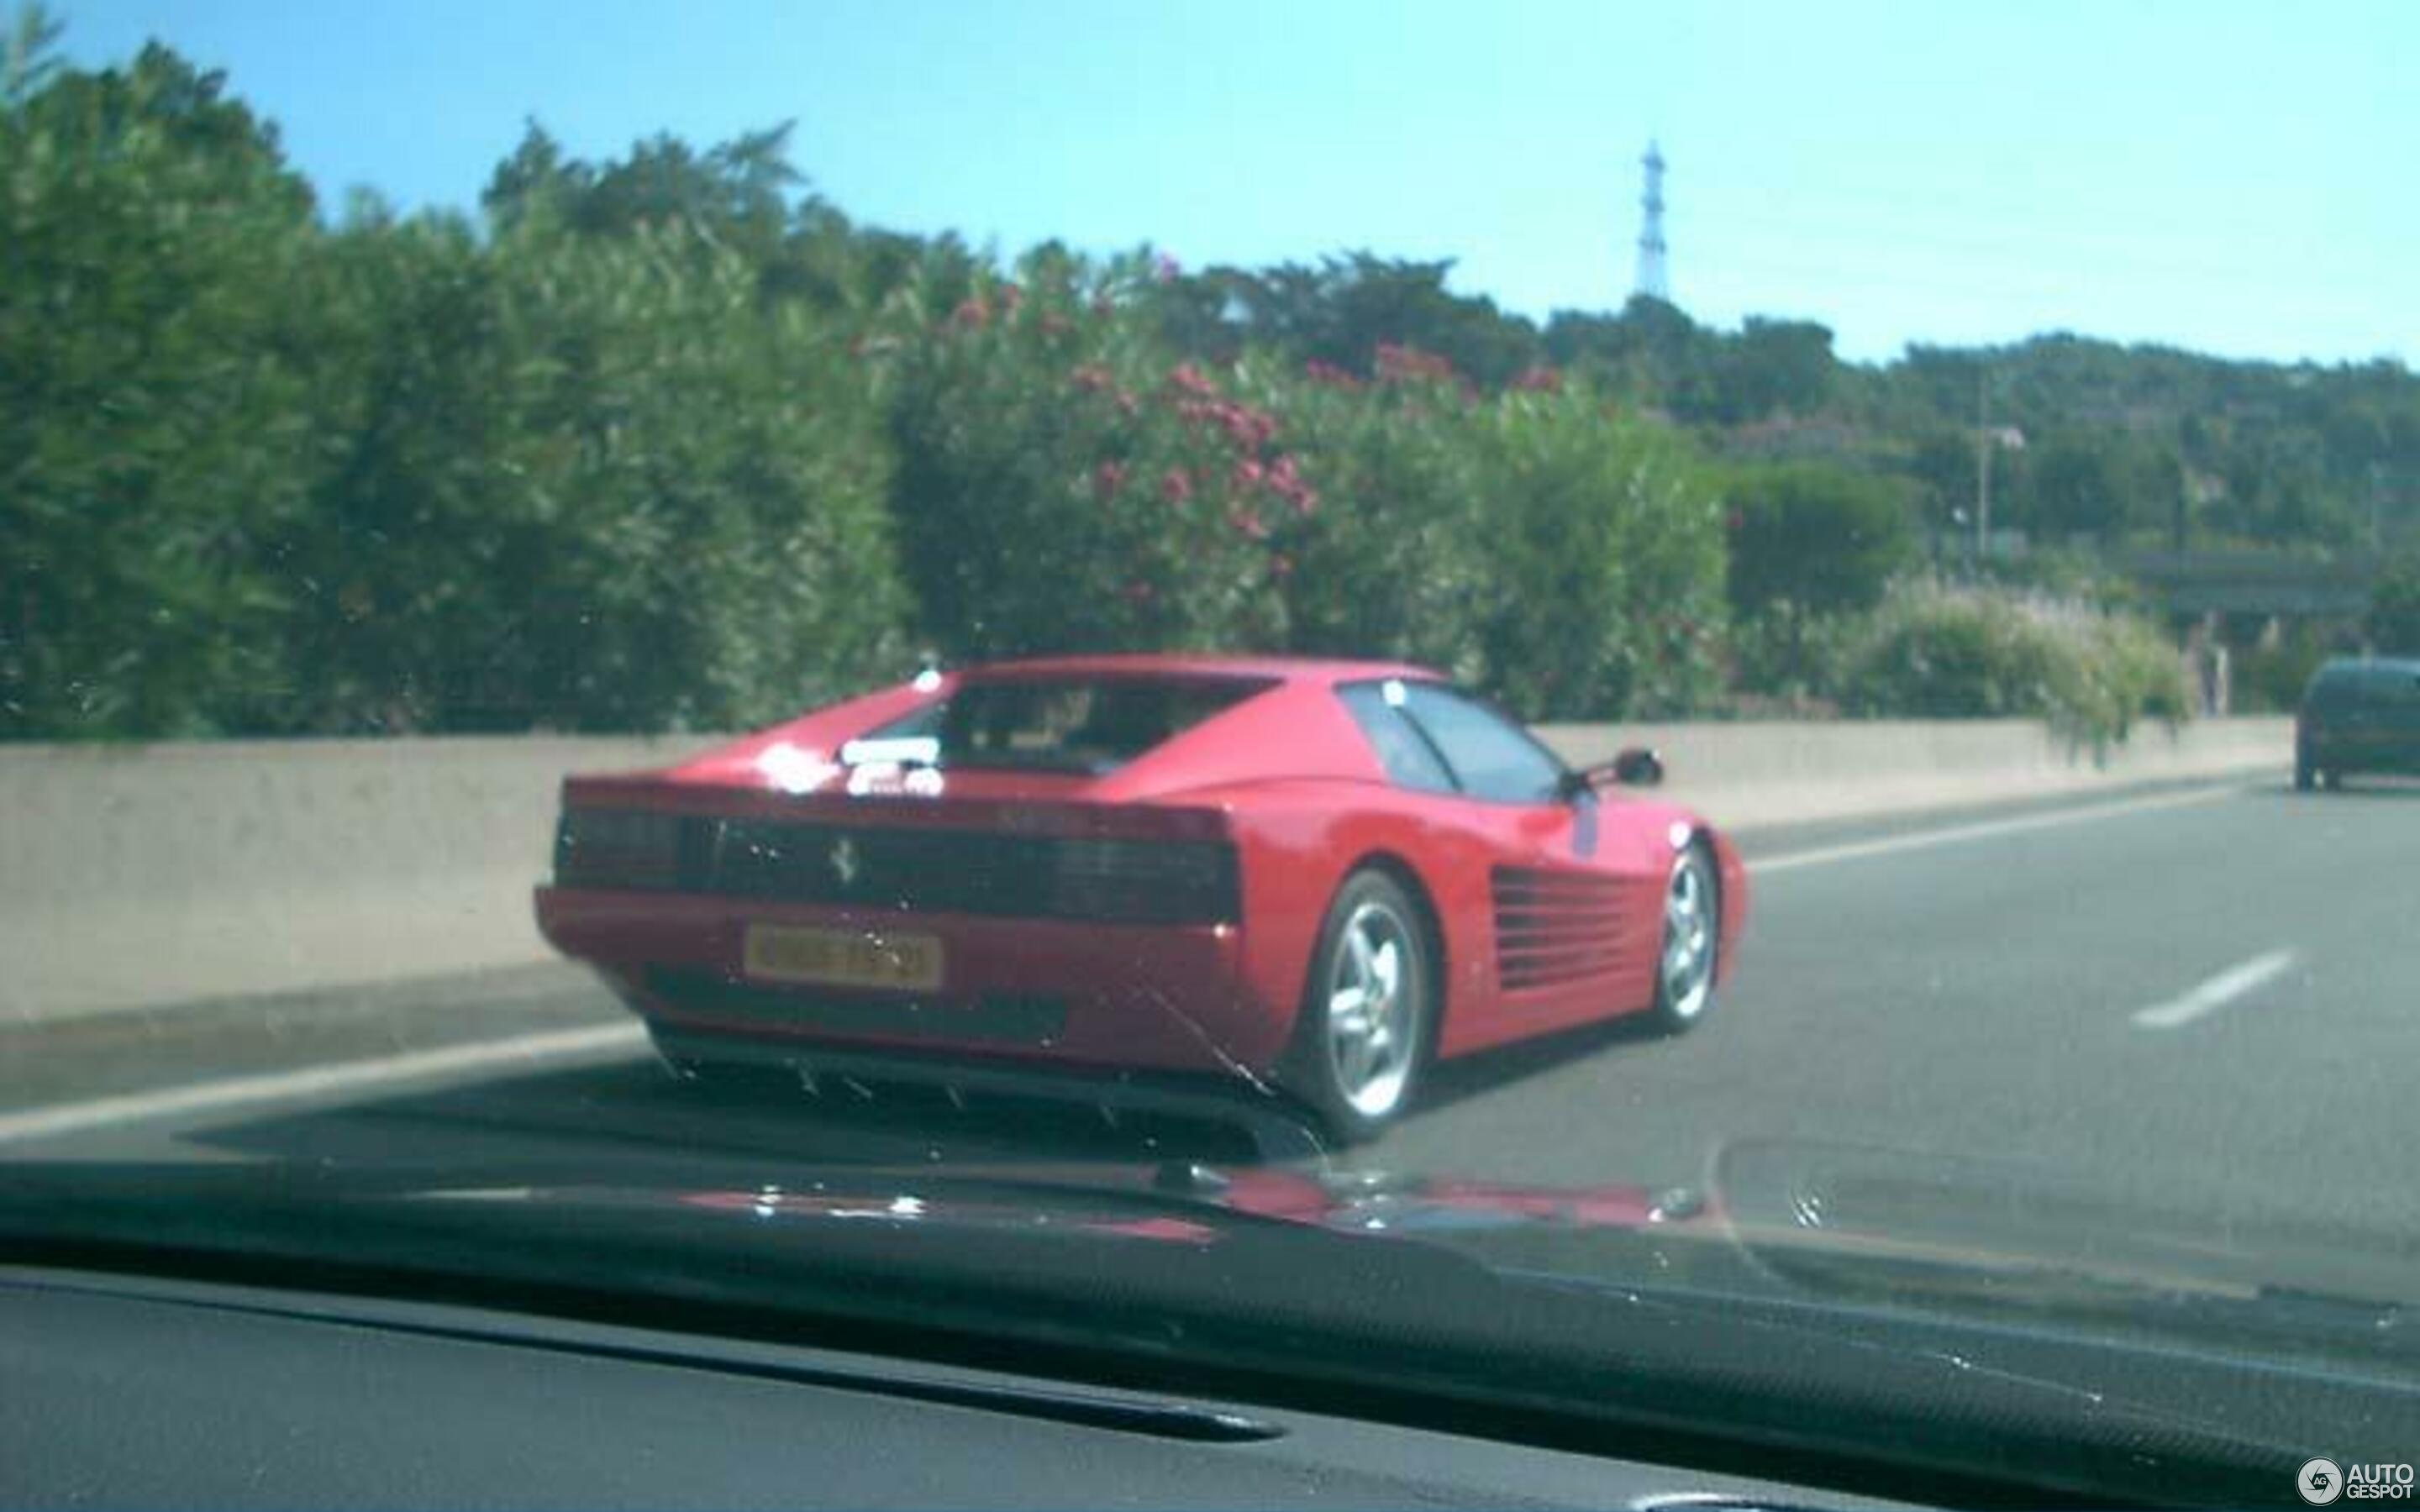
(1341, 312)
(153, 400)
(1820, 539)
(31, 58)
(1773, 366)
(741, 197)
(2394, 622)
(1651, 353)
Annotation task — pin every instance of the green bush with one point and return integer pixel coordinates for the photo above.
(581, 483)
(1386, 563)
(1603, 549)
(1821, 539)
(1956, 653)
(1566, 558)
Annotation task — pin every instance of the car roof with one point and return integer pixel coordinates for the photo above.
(1313, 669)
(2389, 665)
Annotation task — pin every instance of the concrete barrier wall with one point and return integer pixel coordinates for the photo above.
(135, 875)
(1764, 774)
(140, 875)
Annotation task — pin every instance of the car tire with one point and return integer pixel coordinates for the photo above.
(1691, 947)
(1364, 1034)
(2307, 777)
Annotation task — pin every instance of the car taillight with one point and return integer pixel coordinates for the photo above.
(1146, 882)
(617, 848)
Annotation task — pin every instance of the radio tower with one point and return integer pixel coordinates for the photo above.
(1655, 278)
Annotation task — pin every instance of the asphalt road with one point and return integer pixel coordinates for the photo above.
(2202, 999)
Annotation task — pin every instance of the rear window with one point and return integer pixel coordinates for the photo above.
(1088, 725)
(2336, 684)
(2339, 684)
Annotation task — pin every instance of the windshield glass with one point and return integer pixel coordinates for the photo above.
(1752, 650)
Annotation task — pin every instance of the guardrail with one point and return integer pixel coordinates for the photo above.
(151, 874)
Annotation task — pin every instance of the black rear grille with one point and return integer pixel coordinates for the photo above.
(940, 871)
(905, 869)
(992, 1019)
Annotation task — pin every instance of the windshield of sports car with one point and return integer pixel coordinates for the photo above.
(1742, 649)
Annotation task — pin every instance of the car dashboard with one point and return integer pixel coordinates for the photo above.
(130, 1391)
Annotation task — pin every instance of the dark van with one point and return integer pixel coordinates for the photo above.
(2358, 717)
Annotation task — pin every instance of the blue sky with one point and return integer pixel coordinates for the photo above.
(2231, 177)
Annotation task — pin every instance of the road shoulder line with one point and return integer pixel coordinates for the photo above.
(2239, 980)
(317, 1081)
(1986, 829)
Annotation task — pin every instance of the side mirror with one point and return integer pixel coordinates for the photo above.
(1638, 767)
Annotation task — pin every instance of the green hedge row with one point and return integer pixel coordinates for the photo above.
(653, 446)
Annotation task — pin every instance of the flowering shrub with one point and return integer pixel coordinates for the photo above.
(1063, 487)
(1060, 487)
(1939, 653)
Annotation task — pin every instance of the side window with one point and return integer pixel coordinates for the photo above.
(1400, 748)
(1494, 758)
(2336, 687)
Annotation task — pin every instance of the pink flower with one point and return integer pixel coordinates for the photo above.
(1247, 428)
(1542, 378)
(1287, 483)
(1176, 487)
(1246, 524)
(1092, 377)
(1186, 376)
(1164, 268)
(973, 314)
(1249, 475)
(1108, 478)
(1329, 374)
(1403, 364)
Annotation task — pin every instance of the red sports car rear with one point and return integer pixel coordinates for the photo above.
(1266, 872)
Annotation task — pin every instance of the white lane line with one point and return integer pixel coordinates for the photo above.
(1987, 829)
(318, 1081)
(2234, 982)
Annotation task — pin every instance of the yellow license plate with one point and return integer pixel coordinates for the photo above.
(842, 958)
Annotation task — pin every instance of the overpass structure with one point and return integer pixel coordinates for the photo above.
(2249, 584)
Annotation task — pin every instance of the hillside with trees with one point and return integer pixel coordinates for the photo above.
(667, 439)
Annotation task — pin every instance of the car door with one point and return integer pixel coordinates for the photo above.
(2365, 719)
(1574, 914)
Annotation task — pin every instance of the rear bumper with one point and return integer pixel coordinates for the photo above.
(1035, 992)
(1279, 1128)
